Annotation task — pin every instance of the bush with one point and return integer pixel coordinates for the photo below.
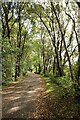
(65, 83)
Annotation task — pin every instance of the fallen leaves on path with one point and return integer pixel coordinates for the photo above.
(28, 99)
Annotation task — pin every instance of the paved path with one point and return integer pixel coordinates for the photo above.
(19, 100)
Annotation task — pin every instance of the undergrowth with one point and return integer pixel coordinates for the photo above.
(63, 85)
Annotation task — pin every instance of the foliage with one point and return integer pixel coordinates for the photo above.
(43, 38)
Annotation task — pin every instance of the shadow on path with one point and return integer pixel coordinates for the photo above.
(19, 100)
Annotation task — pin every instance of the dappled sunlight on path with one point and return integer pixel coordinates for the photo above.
(29, 99)
(19, 100)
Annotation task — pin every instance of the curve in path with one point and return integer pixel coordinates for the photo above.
(19, 100)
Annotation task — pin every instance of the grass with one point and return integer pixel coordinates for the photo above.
(51, 86)
(61, 97)
(7, 83)
(62, 85)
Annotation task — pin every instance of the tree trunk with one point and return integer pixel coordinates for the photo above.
(54, 63)
(39, 69)
(43, 54)
(17, 68)
(62, 36)
(78, 43)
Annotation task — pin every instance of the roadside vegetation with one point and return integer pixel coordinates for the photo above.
(43, 37)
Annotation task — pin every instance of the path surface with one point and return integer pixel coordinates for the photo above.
(28, 99)
(20, 99)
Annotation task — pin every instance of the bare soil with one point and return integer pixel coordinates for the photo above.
(20, 100)
(27, 99)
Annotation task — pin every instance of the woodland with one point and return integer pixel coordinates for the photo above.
(44, 38)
